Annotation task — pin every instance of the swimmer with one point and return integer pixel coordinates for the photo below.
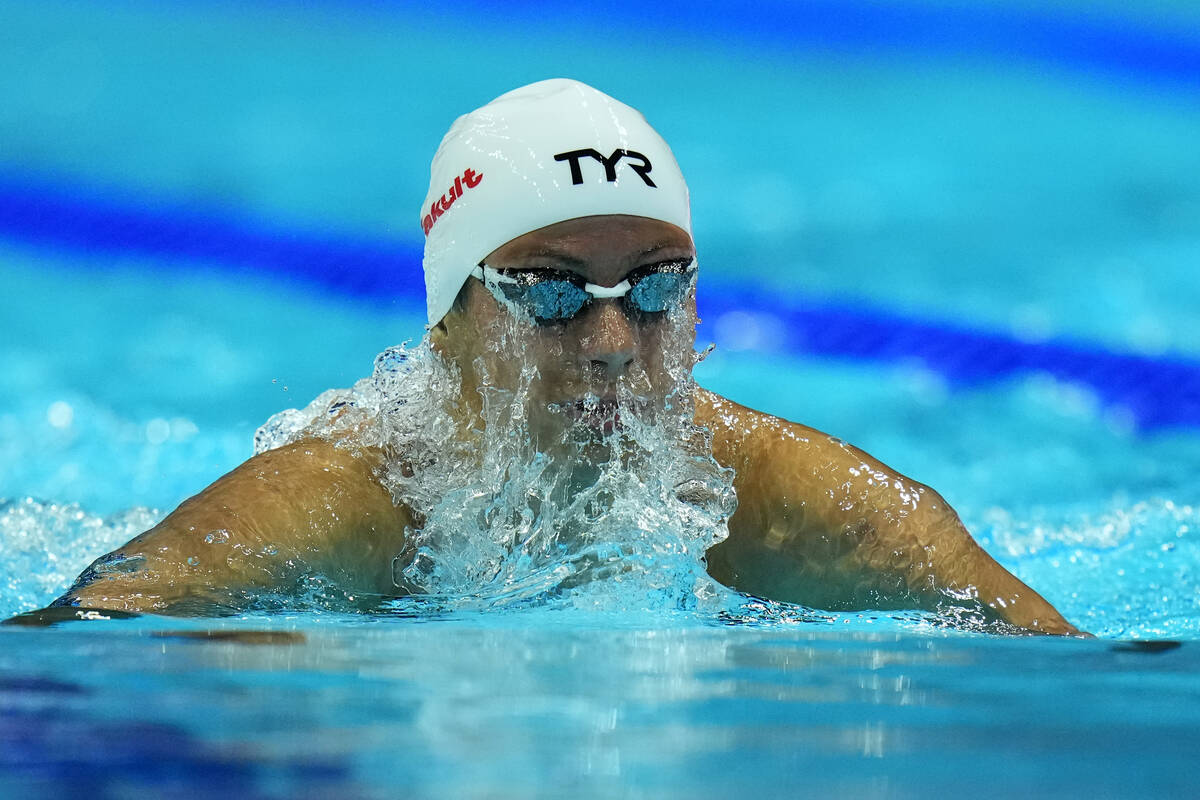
(560, 276)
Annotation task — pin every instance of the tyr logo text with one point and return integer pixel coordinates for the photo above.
(637, 162)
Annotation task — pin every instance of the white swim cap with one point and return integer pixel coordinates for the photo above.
(547, 152)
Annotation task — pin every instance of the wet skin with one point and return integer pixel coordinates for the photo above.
(593, 351)
(818, 522)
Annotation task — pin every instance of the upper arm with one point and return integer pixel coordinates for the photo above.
(819, 522)
(824, 524)
(304, 509)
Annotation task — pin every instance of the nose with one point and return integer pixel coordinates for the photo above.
(606, 342)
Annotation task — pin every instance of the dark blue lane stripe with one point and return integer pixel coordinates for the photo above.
(1157, 392)
(1083, 38)
(93, 221)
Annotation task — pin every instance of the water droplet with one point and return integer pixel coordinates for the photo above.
(60, 414)
(158, 430)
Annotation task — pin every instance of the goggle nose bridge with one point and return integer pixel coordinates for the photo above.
(603, 293)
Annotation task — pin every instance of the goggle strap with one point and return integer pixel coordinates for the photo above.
(489, 278)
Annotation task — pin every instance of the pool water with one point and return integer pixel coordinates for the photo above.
(972, 258)
(541, 707)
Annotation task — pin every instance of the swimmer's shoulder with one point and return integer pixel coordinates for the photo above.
(308, 507)
(767, 449)
(776, 460)
(365, 467)
(741, 433)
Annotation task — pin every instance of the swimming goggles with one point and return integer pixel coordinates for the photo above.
(556, 296)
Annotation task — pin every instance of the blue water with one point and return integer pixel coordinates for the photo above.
(547, 707)
(959, 236)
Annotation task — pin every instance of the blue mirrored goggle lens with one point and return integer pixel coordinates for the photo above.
(659, 291)
(549, 299)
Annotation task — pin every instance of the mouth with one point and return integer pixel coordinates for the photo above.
(601, 414)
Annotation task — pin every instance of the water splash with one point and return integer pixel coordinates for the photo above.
(47, 544)
(1126, 571)
(582, 503)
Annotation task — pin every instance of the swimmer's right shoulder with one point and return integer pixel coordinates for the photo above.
(307, 507)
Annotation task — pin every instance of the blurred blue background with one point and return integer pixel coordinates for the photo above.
(952, 232)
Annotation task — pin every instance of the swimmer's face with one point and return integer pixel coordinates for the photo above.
(605, 350)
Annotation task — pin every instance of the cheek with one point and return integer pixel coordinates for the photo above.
(669, 344)
(550, 354)
(545, 348)
(499, 354)
(648, 344)
(551, 346)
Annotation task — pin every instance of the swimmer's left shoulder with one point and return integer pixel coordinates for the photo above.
(744, 436)
(724, 417)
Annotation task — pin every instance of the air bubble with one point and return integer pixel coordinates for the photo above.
(220, 536)
(60, 414)
(158, 430)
